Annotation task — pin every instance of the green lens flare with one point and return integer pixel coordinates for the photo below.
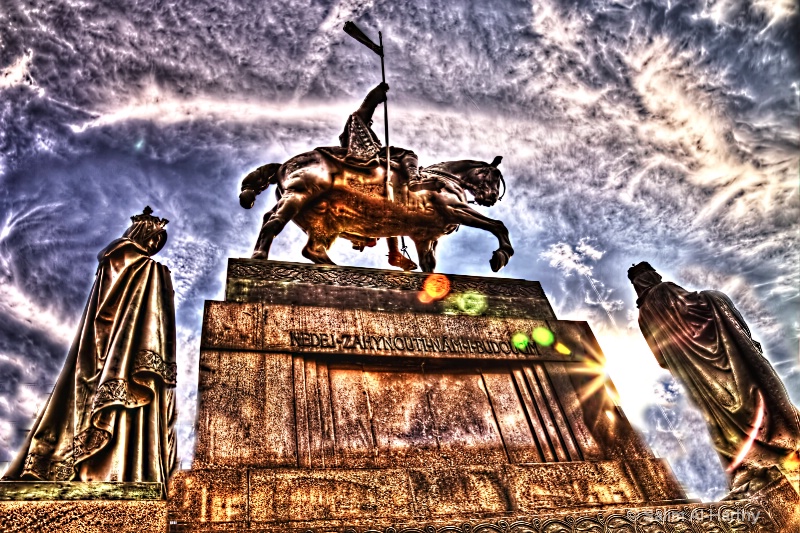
(543, 336)
(472, 303)
(520, 341)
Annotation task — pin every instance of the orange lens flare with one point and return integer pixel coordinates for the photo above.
(424, 297)
(751, 438)
(436, 287)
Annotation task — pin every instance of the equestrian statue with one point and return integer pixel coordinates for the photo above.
(362, 191)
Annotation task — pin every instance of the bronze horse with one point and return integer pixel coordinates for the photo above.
(328, 199)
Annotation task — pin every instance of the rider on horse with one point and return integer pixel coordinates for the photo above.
(364, 151)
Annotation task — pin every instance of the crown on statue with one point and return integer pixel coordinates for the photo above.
(147, 216)
(641, 268)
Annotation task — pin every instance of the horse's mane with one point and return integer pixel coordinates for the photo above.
(461, 165)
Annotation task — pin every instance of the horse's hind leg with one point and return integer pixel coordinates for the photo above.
(317, 248)
(276, 219)
(262, 246)
(426, 251)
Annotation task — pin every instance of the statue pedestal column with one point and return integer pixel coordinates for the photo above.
(336, 399)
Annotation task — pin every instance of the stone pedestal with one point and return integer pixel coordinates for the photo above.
(334, 399)
(76, 507)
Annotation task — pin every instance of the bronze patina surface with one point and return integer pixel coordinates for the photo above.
(110, 416)
(703, 340)
(345, 191)
(82, 507)
(103, 447)
(84, 516)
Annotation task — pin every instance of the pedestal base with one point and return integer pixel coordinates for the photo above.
(76, 507)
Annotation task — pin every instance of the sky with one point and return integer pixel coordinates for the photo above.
(632, 130)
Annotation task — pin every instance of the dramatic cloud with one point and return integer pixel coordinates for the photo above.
(631, 130)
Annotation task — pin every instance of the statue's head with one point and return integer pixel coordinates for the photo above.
(148, 231)
(643, 276)
(485, 181)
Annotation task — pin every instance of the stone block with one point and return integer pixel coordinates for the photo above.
(80, 507)
(358, 332)
(305, 495)
(460, 491)
(84, 516)
(571, 484)
(202, 496)
(246, 409)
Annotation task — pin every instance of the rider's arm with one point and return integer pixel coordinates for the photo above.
(376, 96)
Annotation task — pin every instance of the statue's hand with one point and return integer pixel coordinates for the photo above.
(379, 92)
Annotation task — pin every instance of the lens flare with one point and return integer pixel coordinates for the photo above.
(751, 437)
(436, 286)
(543, 336)
(472, 303)
(520, 341)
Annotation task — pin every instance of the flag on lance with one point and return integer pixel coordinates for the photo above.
(353, 31)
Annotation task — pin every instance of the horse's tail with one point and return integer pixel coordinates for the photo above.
(256, 182)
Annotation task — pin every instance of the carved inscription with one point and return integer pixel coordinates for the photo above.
(306, 329)
(370, 343)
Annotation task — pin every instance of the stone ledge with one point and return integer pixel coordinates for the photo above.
(776, 509)
(716, 517)
(283, 495)
(78, 490)
(279, 282)
(84, 516)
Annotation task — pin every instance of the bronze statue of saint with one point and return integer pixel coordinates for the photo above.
(364, 150)
(342, 191)
(701, 338)
(111, 414)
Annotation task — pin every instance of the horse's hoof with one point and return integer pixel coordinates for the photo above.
(247, 198)
(499, 260)
(259, 255)
(399, 260)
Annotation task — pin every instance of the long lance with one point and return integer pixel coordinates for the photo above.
(385, 120)
(353, 31)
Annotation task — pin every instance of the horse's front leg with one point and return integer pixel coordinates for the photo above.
(463, 214)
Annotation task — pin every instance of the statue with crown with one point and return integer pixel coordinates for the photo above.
(111, 414)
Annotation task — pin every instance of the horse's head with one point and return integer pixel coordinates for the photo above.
(484, 180)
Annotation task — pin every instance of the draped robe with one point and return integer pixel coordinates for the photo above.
(111, 414)
(703, 340)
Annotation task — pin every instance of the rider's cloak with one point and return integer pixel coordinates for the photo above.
(111, 414)
(360, 147)
(703, 340)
